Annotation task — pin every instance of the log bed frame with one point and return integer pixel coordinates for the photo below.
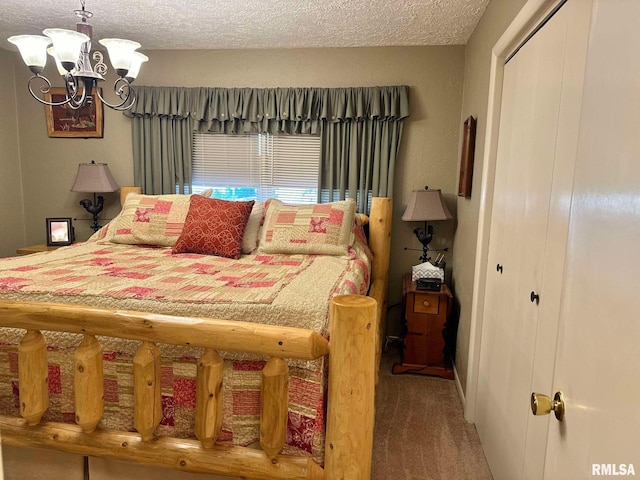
(357, 329)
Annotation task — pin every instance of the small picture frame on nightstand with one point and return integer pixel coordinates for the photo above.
(59, 232)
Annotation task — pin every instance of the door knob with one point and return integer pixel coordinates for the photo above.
(535, 298)
(543, 405)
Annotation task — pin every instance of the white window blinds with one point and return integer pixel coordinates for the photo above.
(257, 166)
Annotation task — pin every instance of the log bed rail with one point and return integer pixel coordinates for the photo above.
(357, 329)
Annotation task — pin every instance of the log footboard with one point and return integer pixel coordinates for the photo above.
(186, 455)
(349, 435)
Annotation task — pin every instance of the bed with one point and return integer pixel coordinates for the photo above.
(161, 329)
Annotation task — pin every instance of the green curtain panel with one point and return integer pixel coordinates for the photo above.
(360, 128)
(162, 149)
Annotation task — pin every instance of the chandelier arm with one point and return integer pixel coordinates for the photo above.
(132, 96)
(44, 90)
(77, 103)
(71, 85)
(120, 91)
(128, 102)
(135, 97)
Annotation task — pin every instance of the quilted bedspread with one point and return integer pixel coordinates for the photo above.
(289, 290)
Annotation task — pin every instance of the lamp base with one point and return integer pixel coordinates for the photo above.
(424, 237)
(94, 208)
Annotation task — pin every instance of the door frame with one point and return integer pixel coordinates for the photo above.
(527, 20)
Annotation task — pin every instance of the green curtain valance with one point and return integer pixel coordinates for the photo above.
(360, 130)
(271, 110)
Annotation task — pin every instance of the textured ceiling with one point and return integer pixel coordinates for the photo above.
(221, 24)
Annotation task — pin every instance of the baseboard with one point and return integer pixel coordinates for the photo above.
(458, 386)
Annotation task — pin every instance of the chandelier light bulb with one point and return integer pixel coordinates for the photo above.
(33, 49)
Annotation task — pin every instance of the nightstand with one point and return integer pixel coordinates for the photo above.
(425, 314)
(35, 249)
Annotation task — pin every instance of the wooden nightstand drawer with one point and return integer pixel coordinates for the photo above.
(426, 303)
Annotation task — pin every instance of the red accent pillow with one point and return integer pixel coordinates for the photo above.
(214, 227)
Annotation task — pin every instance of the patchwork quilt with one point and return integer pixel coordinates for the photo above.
(288, 290)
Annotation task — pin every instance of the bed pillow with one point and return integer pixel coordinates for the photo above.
(325, 229)
(214, 227)
(151, 219)
(252, 232)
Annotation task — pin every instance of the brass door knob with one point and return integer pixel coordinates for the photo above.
(543, 405)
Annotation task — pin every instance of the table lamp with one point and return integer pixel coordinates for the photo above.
(425, 206)
(94, 178)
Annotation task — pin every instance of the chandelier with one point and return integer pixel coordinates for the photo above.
(71, 52)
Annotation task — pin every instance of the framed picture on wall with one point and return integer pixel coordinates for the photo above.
(59, 232)
(65, 122)
(466, 160)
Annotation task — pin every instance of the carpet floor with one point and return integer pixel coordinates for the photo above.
(420, 431)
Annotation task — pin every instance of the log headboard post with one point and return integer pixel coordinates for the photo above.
(380, 244)
(124, 191)
(380, 236)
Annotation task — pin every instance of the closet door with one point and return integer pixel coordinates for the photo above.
(502, 270)
(531, 108)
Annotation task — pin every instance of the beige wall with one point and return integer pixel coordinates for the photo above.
(428, 154)
(11, 211)
(493, 23)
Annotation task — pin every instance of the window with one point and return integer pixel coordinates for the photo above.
(257, 166)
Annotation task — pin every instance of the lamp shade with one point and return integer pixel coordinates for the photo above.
(120, 52)
(137, 59)
(426, 205)
(95, 178)
(61, 70)
(33, 49)
(67, 44)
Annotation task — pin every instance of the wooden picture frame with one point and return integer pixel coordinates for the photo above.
(466, 160)
(59, 232)
(64, 122)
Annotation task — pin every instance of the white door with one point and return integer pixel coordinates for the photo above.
(541, 99)
(598, 353)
